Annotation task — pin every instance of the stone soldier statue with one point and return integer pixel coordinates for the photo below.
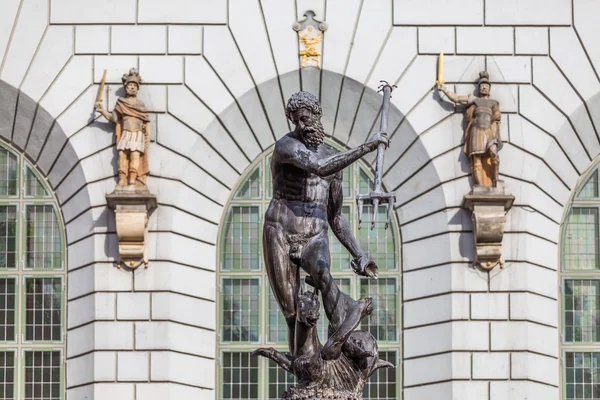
(132, 131)
(307, 200)
(482, 136)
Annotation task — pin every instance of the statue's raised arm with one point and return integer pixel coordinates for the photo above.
(464, 100)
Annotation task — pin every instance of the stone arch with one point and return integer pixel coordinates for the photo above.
(28, 127)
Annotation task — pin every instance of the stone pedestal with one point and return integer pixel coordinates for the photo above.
(132, 206)
(488, 206)
(321, 393)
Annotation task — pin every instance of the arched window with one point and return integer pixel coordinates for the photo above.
(248, 315)
(580, 293)
(32, 281)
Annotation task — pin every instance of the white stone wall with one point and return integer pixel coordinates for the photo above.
(217, 74)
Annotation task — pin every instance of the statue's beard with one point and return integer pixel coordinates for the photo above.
(313, 135)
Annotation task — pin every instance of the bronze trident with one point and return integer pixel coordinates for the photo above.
(377, 197)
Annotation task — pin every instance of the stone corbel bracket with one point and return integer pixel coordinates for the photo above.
(488, 206)
(131, 214)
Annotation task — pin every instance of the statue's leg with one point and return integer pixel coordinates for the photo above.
(283, 276)
(123, 167)
(477, 169)
(496, 161)
(343, 312)
(134, 164)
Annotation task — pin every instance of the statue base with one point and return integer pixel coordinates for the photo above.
(320, 393)
(488, 206)
(132, 205)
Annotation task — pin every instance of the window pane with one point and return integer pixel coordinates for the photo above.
(7, 309)
(582, 377)
(365, 184)
(43, 244)
(240, 376)
(268, 179)
(347, 183)
(277, 331)
(279, 380)
(241, 310)
(340, 258)
(33, 186)
(43, 300)
(582, 310)
(581, 239)
(7, 375)
(250, 189)
(242, 244)
(8, 236)
(8, 173)
(382, 322)
(590, 189)
(42, 375)
(382, 384)
(378, 243)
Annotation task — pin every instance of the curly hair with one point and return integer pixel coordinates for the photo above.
(303, 100)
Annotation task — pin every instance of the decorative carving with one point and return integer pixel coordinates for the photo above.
(130, 200)
(488, 206)
(310, 39)
(487, 201)
(131, 213)
(307, 198)
(132, 130)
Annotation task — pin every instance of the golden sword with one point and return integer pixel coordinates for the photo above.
(99, 98)
(440, 76)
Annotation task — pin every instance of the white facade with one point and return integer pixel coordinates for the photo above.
(216, 75)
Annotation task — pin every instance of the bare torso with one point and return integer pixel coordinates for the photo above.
(300, 198)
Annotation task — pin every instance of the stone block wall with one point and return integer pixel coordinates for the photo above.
(217, 76)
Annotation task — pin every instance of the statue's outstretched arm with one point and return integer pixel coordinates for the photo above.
(453, 96)
(100, 108)
(307, 160)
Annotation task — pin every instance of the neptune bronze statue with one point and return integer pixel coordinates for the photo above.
(307, 201)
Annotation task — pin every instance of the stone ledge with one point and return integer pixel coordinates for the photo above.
(129, 196)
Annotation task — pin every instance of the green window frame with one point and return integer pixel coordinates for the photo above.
(579, 282)
(8, 373)
(255, 190)
(42, 314)
(44, 377)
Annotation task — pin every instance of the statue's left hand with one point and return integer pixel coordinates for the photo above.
(365, 267)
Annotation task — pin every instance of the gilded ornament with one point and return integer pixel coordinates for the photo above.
(310, 35)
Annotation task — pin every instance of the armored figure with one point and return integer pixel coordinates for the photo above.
(132, 132)
(482, 136)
